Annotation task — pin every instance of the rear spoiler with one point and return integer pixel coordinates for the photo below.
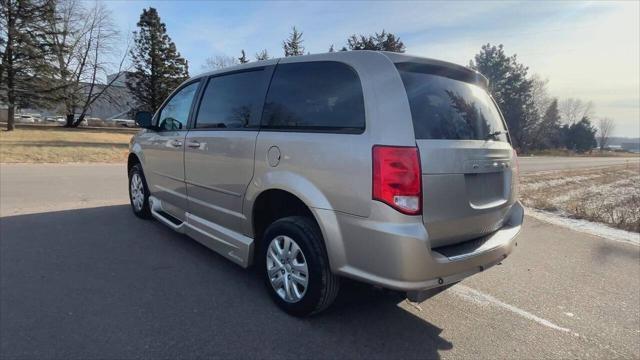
(455, 73)
(437, 67)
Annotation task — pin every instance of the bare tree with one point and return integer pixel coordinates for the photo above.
(572, 110)
(605, 128)
(102, 46)
(84, 42)
(540, 94)
(219, 62)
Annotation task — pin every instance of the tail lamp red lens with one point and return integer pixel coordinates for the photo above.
(397, 178)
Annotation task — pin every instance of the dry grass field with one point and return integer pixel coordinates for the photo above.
(609, 195)
(60, 145)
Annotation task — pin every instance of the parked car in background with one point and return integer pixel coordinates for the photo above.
(25, 119)
(386, 168)
(56, 119)
(125, 122)
(94, 121)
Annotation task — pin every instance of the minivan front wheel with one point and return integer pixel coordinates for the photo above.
(296, 267)
(139, 193)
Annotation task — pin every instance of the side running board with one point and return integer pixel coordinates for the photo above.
(230, 244)
(164, 217)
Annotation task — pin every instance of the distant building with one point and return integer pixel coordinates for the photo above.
(121, 78)
(115, 103)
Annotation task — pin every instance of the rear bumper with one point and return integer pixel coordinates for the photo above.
(396, 253)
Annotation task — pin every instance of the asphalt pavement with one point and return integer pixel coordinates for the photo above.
(81, 277)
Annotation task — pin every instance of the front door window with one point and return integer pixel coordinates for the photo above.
(175, 114)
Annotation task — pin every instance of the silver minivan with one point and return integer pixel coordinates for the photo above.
(390, 169)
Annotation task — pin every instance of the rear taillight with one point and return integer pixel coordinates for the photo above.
(397, 179)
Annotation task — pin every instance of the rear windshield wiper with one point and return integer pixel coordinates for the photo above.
(493, 135)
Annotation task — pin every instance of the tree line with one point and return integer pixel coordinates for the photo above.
(536, 120)
(56, 51)
(293, 46)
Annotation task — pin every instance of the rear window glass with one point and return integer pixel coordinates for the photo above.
(315, 96)
(445, 108)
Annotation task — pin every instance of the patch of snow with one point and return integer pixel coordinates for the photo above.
(585, 226)
(536, 184)
(598, 195)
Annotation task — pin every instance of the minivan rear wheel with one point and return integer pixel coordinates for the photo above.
(296, 267)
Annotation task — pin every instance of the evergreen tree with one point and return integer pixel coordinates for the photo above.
(547, 134)
(262, 55)
(293, 45)
(383, 41)
(158, 66)
(389, 42)
(361, 42)
(580, 136)
(243, 58)
(551, 126)
(512, 90)
(219, 62)
(26, 68)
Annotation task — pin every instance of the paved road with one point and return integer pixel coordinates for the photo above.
(81, 277)
(542, 163)
(37, 188)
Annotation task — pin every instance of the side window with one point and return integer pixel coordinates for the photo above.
(233, 101)
(315, 96)
(175, 114)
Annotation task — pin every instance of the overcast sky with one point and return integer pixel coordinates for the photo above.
(587, 50)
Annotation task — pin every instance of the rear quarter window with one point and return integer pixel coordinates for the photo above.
(322, 96)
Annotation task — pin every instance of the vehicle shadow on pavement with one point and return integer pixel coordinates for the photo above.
(101, 283)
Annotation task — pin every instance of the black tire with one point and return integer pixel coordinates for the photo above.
(145, 211)
(323, 285)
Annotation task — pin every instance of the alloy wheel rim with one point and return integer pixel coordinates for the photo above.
(287, 269)
(137, 192)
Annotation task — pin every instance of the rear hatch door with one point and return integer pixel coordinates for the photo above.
(466, 157)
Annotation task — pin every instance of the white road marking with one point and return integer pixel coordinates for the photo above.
(481, 298)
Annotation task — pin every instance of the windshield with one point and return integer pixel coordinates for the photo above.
(444, 108)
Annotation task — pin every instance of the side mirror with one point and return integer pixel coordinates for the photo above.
(143, 119)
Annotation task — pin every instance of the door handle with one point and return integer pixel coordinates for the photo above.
(176, 143)
(193, 144)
